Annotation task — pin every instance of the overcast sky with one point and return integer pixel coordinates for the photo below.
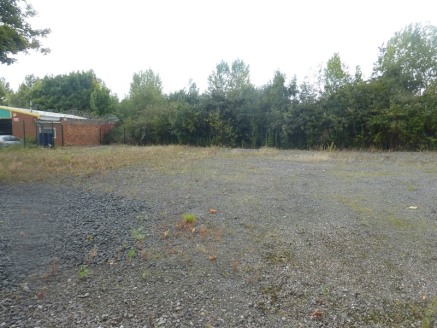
(183, 40)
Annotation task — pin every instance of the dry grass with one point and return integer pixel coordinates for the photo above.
(40, 164)
(37, 164)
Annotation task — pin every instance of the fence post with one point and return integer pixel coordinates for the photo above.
(24, 134)
(53, 136)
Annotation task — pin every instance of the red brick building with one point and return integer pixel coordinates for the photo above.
(47, 128)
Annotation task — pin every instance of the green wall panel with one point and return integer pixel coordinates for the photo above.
(5, 113)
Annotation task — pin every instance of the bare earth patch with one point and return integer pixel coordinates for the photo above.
(99, 237)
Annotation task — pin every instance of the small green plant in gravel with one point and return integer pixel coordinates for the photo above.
(131, 254)
(146, 274)
(189, 218)
(325, 290)
(138, 234)
(142, 217)
(188, 222)
(83, 272)
(430, 315)
(397, 222)
(411, 188)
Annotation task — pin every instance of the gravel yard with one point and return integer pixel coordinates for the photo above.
(282, 239)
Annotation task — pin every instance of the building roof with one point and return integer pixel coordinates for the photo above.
(43, 115)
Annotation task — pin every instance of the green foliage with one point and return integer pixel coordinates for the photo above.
(146, 274)
(64, 92)
(16, 34)
(335, 74)
(5, 92)
(81, 93)
(409, 60)
(137, 234)
(131, 254)
(145, 91)
(189, 218)
(395, 109)
(430, 315)
(22, 98)
(101, 100)
(83, 272)
(143, 217)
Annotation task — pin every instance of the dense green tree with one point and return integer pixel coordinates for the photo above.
(229, 92)
(335, 75)
(101, 100)
(22, 98)
(145, 90)
(229, 81)
(145, 112)
(409, 59)
(276, 101)
(186, 116)
(16, 34)
(5, 92)
(219, 80)
(62, 93)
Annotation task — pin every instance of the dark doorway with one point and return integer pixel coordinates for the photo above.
(5, 126)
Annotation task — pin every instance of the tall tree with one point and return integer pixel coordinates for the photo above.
(101, 100)
(5, 92)
(276, 103)
(229, 90)
(229, 81)
(218, 81)
(16, 34)
(145, 90)
(335, 74)
(409, 60)
(22, 98)
(71, 92)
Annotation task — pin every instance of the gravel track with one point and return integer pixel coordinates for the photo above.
(299, 239)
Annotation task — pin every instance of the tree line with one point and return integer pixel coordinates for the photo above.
(396, 108)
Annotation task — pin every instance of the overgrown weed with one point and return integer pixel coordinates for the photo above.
(187, 223)
(83, 272)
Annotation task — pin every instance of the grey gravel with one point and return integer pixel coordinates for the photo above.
(298, 239)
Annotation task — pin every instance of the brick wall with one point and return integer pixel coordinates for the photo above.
(69, 132)
(24, 123)
(82, 132)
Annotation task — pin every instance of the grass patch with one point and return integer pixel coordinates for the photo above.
(187, 223)
(430, 315)
(38, 164)
(189, 218)
(83, 272)
(146, 274)
(354, 204)
(398, 223)
(142, 218)
(138, 234)
(131, 254)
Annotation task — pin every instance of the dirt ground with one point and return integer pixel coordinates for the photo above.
(280, 239)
